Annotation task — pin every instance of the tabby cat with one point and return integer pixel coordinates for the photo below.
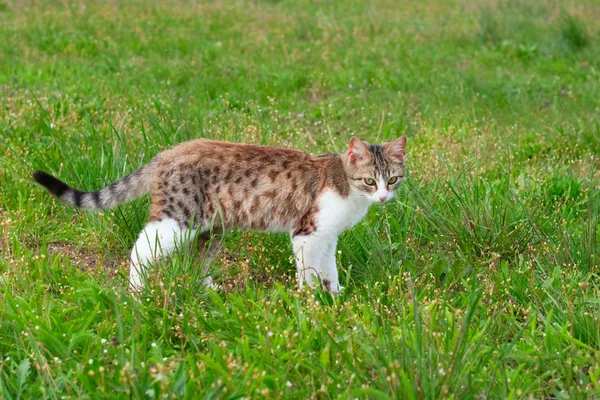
(201, 185)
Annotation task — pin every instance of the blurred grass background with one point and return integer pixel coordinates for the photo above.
(479, 280)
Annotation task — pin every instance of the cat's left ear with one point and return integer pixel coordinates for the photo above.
(396, 148)
(357, 151)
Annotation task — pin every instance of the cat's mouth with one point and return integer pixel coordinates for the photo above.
(382, 197)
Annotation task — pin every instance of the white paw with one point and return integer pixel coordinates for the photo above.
(136, 292)
(337, 292)
(135, 289)
(208, 282)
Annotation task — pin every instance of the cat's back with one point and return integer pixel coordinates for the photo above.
(228, 152)
(257, 187)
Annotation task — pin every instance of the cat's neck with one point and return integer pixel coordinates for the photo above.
(333, 174)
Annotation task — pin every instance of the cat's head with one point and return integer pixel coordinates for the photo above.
(376, 170)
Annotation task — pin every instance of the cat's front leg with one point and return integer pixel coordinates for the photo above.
(309, 251)
(315, 260)
(329, 272)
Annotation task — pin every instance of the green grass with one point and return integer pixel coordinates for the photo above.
(479, 281)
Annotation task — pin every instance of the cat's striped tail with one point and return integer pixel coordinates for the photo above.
(125, 189)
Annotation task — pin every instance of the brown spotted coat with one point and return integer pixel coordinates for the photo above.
(206, 183)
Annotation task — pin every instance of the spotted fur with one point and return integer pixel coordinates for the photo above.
(123, 190)
(202, 184)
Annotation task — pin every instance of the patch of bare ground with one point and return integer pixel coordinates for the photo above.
(90, 261)
(235, 273)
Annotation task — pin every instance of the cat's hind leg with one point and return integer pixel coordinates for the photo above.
(208, 245)
(158, 239)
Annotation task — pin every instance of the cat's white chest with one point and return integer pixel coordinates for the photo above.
(337, 213)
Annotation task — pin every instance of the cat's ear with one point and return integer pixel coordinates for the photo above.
(396, 148)
(357, 151)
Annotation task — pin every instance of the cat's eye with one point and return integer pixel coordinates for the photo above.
(370, 181)
(392, 180)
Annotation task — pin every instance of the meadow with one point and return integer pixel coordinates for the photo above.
(480, 279)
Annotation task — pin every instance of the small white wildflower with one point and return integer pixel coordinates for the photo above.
(105, 351)
(153, 344)
(288, 384)
(52, 125)
(269, 334)
(102, 340)
(90, 361)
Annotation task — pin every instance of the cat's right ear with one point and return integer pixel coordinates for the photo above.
(396, 149)
(357, 150)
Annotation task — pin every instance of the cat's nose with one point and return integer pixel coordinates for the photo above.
(382, 197)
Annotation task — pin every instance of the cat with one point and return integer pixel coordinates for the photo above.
(200, 187)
